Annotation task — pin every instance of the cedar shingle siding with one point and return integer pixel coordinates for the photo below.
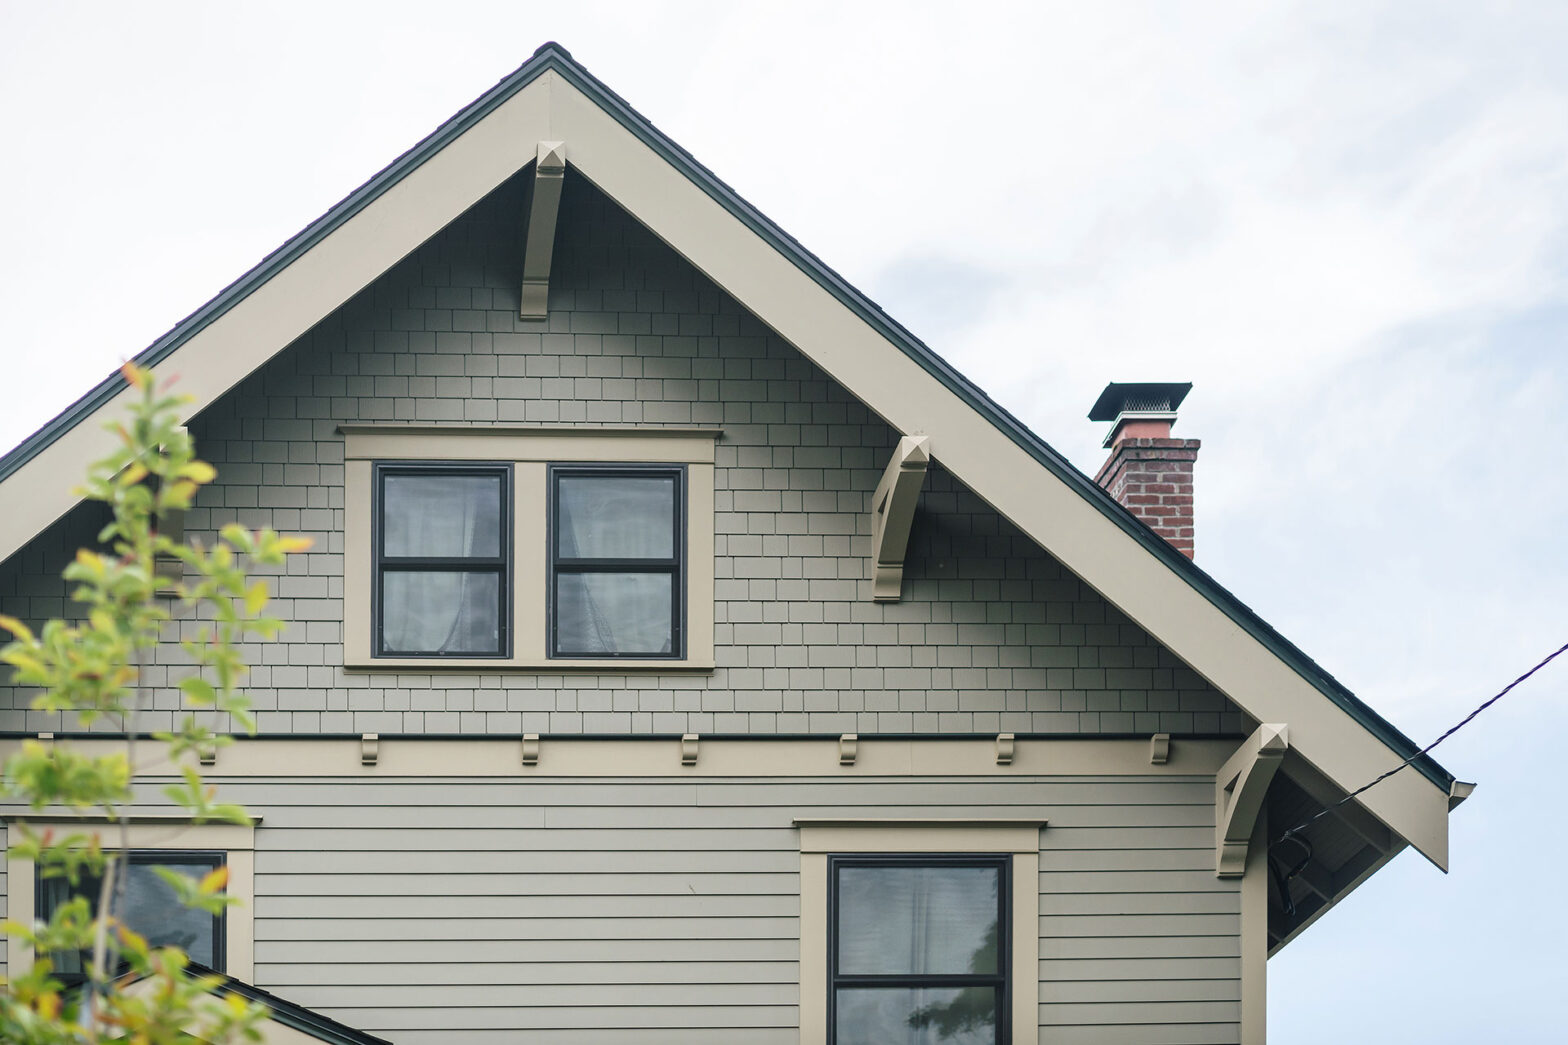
(992, 634)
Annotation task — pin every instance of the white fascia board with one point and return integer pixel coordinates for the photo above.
(1056, 516)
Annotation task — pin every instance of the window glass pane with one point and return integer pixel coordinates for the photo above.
(598, 613)
(916, 1015)
(615, 517)
(152, 909)
(438, 611)
(920, 920)
(441, 515)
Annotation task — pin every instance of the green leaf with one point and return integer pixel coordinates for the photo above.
(197, 690)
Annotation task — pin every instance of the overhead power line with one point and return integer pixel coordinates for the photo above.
(1294, 831)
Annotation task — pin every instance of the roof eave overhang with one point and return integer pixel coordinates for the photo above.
(552, 99)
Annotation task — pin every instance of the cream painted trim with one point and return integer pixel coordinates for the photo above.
(1048, 510)
(1019, 838)
(528, 443)
(893, 512)
(153, 832)
(1239, 790)
(528, 451)
(1255, 937)
(252, 758)
(825, 331)
(539, 241)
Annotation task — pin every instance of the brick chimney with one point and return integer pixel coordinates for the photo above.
(1149, 472)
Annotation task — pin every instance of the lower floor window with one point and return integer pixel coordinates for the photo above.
(150, 908)
(918, 951)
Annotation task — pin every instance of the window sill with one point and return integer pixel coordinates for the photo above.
(441, 665)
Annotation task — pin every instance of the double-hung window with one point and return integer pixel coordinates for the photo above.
(617, 542)
(442, 540)
(524, 548)
(150, 908)
(919, 950)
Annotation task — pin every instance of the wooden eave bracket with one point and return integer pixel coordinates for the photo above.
(544, 203)
(1239, 788)
(893, 512)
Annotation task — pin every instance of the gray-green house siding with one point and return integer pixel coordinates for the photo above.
(601, 911)
(992, 634)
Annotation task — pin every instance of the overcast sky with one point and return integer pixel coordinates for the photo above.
(1347, 224)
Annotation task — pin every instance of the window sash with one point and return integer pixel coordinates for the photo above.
(89, 885)
(498, 565)
(673, 565)
(998, 980)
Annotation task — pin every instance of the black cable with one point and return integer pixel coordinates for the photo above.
(1384, 776)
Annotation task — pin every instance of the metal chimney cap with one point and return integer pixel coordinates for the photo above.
(1122, 397)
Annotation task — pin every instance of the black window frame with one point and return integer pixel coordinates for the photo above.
(675, 566)
(88, 886)
(1000, 980)
(501, 565)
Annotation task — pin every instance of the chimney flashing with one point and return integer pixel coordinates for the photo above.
(1145, 424)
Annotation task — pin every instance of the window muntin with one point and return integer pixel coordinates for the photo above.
(918, 950)
(617, 542)
(150, 908)
(442, 554)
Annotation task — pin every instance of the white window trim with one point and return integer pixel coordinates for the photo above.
(530, 451)
(236, 841)
(1018, 838)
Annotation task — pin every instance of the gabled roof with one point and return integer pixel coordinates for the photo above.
(552, 98)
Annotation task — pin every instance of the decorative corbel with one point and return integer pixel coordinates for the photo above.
(544, 203)
(1004, 749)
(847, 746)
(172, 526)
(1239, 788)
(689, 749)
(1159, 749)
(892, 513)
(530, 749)
(369, 748)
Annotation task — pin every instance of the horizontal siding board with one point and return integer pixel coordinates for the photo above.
(608, 883)
(603, 997)
(399, 926)
(1127, 991)
(1097, 792)
(1140, 947)
(547, 968)
(1169, 1012)
(1139, 903)
(1140, 925)
(534, 907)
(1080, 837)
(567, 840)
(1094, 860)
(1145, 1034)
(1063, 970)
(385, 1020)
(442, 862)
(1139, 881)
(348, 955)
(610, 1036)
